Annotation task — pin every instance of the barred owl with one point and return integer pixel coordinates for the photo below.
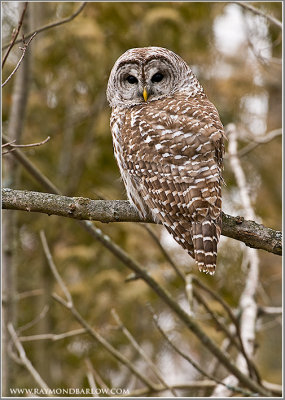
(168, 143)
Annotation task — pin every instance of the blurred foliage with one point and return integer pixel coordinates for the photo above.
(70, 69)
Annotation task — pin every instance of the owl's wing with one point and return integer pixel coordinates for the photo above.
(172, 153)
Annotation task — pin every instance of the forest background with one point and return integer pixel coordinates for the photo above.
(59, 92)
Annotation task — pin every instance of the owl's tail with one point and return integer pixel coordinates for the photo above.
(205, 236)
(182, 235)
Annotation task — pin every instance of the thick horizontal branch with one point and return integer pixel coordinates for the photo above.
(251, 233)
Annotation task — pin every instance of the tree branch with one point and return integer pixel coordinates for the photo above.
(203, 384)
(24, 48)
(139, 349)
(52, 336)
(12, 145)
(263, 310)
(24, 359)
(192, 362)
(175, 307)
(266, 139)
(255, 10)
(251, 233)
(69, 305)
(15, 34)
(52, 25)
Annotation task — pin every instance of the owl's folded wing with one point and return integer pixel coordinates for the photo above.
(173, 160)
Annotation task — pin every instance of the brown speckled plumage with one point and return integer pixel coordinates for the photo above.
(169, 148)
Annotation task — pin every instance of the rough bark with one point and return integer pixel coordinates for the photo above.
(250, 232)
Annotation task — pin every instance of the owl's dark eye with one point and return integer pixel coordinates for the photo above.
(157, 77)
(132, 79)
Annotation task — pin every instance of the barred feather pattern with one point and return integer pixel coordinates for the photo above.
(170, 154)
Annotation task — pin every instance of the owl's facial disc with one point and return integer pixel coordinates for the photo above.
(140, 82)
(146, 80)
(160, 78)
(129, 85)
(149, 74)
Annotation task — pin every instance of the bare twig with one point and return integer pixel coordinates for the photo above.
(24, 359)
(54, 270)
(12, 145)
(204, 384)
(90, 377)
(217, 297)
(249, 232)
(15, 34)
(52, 336)
(225, 346)
(38, 318)
(8, 144)
(277, 320)
(138, 348)
(266, 139)
(237, 342)
(142, 392)
(263, 310)
(24, 48)
(164, 252)
(70, 306)
(255, 10)
(273, 388)
(189, 292)
(106, 345)
(196, 385)
(29, 293)
(7, 152)
(52, 25)
(194, 363)
(250, 364)
(32, 169)
(220, 325)
(98, 377)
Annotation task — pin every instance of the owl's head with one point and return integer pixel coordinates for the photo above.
(147, 74)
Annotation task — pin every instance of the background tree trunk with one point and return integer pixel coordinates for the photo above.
(12, 178)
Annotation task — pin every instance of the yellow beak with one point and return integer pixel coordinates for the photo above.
(145, 94)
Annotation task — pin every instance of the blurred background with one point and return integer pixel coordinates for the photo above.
(236, 56)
